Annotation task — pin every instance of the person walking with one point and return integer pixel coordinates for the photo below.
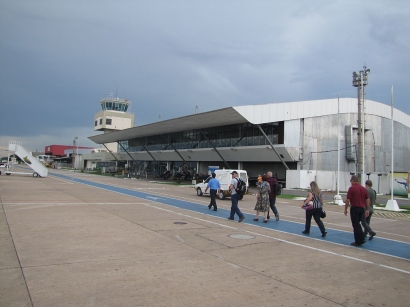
(262, 199)
(214, 187)
(366, 220)
(235, 198)
(272, 195)
(316, 196)
(358, 200)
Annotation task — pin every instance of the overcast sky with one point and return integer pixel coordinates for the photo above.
(59, 58)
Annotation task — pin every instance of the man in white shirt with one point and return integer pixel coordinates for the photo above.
(235, 198)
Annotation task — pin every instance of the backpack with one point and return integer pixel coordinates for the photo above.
(240, 187)
(278, 188)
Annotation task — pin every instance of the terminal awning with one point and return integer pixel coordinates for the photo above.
(222, 117)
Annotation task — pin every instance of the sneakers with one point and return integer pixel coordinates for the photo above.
(305, 232)
(371, 236)
(277, 216)
(324, 234)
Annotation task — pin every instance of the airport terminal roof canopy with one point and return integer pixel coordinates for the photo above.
(254, 114)
(227, 116)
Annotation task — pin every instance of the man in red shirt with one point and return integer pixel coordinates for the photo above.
(359, 202)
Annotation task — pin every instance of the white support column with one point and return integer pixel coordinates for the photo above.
(392, 203)
(337, 200)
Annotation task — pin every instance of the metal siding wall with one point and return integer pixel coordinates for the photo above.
(326, 180)
(329, 154)
(273, 111)
(255, 168)
(374, 123)
(348, 145)
(401, 147)
(288, 114)
(292, 133)
(401, 136)
(385, 142)
(379, 160)
(300, 110)
(265, 113)
(321, 134)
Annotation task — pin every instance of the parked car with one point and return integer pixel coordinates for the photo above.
(224, 176)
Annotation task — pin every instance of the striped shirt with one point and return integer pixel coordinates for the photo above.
(317, 203)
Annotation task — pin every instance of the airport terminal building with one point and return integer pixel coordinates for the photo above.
(298, 136)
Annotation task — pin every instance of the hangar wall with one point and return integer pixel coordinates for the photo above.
(320, 137)
(320, 144)
(401, 147)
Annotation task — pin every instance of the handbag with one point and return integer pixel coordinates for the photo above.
(323, 214)
(308, 206)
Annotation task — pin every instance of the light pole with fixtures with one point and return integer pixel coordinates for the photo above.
(76, 143)
(360, 81)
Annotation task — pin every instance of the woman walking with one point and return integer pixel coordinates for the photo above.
(315, 195)
(262, 198)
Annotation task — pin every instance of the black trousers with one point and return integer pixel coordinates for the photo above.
(213, 198)
(316, 215)
(356, 214)
(272, 206)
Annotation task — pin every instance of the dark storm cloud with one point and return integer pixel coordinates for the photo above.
(58, 59)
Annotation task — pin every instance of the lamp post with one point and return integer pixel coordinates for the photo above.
(368, 175)
(337, 199)
(76, 143)
(73, 158)
(360, 81)
(378, 187)
(392, 203)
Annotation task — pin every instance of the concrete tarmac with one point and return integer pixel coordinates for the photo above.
(72, 243)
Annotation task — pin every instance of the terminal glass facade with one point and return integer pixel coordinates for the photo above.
(245, 134)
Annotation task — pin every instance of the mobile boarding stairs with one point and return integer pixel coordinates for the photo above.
(39, 169)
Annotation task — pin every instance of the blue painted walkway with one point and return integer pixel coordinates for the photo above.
(379, 245)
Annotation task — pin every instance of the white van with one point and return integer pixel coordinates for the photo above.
(224, 176)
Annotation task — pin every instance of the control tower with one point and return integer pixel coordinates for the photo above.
(113, 117)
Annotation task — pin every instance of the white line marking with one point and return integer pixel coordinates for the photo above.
(179, 239)
(280, 240)
(286, 241)
(230, 263)
(63, 180)
(227, 206)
